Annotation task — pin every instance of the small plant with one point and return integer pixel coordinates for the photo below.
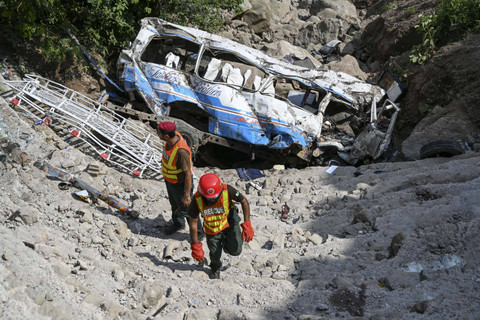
(427, 26)
(410, 11)
(425, 109)
(452, 17)
(390, 6)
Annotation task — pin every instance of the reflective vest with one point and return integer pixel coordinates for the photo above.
(169, 160)
(214, 216)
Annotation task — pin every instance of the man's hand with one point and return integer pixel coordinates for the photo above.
(247, 231)
(197, 251)
(186, 200)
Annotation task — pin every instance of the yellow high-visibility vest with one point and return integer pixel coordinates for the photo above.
(214, 216)
(169, 160)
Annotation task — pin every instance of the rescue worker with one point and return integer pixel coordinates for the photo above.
(214, 200)
(177, 170)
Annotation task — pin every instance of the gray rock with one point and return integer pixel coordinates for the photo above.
(316, 239)
(364, 216)
(199, 275)
(118, 274)
(286, 259)
(174, 292)
(259, 16)
(447, 125)
(396, 244)
(152, 294)
(254, 245)
(279, 241)
(231, 314)
(94, 298)
(342, 283)
(112, 308)
(53, 312)
(401, 279)
(310, 317)
(420, 307)
(349, 65)
(319, 33)
(29, 215)
(86, 216)
(353, 229)
(6, 256)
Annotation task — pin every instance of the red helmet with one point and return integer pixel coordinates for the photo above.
(210, 186)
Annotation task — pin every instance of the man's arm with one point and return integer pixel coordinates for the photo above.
(247, 230)
(188, 186)
(193, 229)
(183, 162)
(245, 209)
(193, 216)
(237, 196)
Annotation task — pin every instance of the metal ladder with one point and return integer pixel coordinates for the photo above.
(116, 139)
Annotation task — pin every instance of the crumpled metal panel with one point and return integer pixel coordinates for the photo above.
(256, 117)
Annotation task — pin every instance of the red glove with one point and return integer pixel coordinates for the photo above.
(197, 251)
(247, 231)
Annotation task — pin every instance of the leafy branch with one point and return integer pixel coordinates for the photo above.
(453, 17)
(103, 26)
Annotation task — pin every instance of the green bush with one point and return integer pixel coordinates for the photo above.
(453, 17)
(102, 26)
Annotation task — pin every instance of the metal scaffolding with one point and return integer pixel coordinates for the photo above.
(116, 139)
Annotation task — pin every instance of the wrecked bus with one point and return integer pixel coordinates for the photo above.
(224, 94)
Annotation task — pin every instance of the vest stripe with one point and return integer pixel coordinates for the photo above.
(215, 216)
(169, 160)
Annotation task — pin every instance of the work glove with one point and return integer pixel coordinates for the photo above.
(197, 251)
(247, 231)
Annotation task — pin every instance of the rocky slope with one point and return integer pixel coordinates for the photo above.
(391, 240)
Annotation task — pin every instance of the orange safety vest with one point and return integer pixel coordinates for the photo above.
(169, 160)
(214, 216)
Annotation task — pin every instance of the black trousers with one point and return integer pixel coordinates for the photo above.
(228, 240)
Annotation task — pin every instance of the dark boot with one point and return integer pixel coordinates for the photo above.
(214, 274)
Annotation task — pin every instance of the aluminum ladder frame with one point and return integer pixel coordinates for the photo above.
(121, 141)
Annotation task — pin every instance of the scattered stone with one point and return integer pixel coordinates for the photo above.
(351, 301)
(401, 279)
(279, 241)
(153, 294)
(310, 317)
(94, 298)
(316, 239)
(420, 307)
(396, 244)
(364, 216)
(173, 292)
(29, 215)
(118, 274)
(342, 283)
(85, 216)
